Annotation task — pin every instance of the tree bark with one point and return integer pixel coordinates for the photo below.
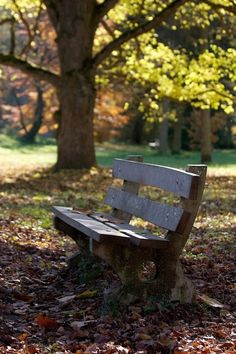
(30, 136)
(75, 138)
(74, 24)
(177, 131)
(206, 145)
(164, 128)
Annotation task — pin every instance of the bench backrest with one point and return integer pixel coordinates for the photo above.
(126, 203)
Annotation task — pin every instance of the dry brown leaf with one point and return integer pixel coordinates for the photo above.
(46, 322)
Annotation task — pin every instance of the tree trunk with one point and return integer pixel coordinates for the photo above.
(75, 138)
(176, 143)
(206, 145)
(30, 136)
(75, 27)
(164, 128)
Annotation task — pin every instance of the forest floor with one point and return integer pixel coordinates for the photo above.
(47, 308)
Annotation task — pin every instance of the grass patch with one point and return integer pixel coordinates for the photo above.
(34, 254)
(41, 215)
(15, 153)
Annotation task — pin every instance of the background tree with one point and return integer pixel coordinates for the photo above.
(191, 67)
(75, 24)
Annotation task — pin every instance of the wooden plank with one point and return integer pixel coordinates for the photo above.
(89, 226)
(141, 238)
(138, 237)
(191, 207)
(159, 214)
(130, 187)
(171, 179)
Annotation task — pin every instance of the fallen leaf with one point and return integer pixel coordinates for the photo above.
(79, 324)
(22, 337)
(66, 299)
(23, 297)
(86, 294)
(81, 333)
(45, 321)
(210, 301)
(30, 349)
(144, 336)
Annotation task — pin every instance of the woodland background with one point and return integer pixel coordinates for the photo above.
(173, 86)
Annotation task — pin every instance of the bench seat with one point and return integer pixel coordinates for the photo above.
(105, 228)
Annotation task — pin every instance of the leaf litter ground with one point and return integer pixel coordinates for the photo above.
(45, 307)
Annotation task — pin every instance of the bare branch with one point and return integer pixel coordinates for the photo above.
(27, 26)
(12, 38)
(30, 69)
(218, 93)
(108, 29)
(137, 31)
(7, 20)
(104, 8)
(231, 9)
(33, 31)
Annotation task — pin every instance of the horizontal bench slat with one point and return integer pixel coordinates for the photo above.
(173, 180)
(89, 226)
(159, 214)
(138, 237)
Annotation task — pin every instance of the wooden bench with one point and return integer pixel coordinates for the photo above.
(131, 251)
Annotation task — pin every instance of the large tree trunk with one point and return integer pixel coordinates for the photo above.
(74, 24)
(75, 138)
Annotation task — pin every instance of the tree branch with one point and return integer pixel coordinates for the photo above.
(231, 9)
(12, 38)
(130, 34)
(33, 31)
(53, 12)
(218, 93)
(26, 24)
(30, 69)
(104, 8)
(108, 29)
(7, 20)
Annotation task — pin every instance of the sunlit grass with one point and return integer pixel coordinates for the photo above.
(15, 155)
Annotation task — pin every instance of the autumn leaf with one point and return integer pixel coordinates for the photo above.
(66, 299)
(46, 322)
(23, 297)
(23, 336)
(31, 349)
(210, 301)
(144, 336)
(86, 294)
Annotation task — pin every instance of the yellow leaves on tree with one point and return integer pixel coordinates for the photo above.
(109, 117)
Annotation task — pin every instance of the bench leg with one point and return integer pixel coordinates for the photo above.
(167, 282)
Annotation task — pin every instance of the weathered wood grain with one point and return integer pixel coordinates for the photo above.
(128, 186)
(138, 237)
(90, 227)
(159, 214)
(171, 179)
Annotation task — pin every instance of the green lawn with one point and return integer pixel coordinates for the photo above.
(13, 154)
